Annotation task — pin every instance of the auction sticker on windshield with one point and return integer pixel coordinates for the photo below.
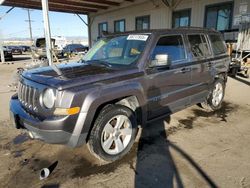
(138, 37)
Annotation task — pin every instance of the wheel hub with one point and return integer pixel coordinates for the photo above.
(116, 134)
(217, 94)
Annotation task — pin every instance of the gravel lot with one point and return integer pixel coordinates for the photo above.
(192, 148)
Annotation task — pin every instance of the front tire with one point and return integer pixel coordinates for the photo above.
(216, 96)
(113, 134)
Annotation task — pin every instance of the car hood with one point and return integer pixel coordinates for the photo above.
(76, 74)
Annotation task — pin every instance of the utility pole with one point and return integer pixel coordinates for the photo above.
(30, 28)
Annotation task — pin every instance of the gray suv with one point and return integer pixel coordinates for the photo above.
(122, 83)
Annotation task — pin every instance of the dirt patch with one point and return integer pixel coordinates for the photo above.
(85, 168)
(220, 115)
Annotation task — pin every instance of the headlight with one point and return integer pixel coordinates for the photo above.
(48, 98)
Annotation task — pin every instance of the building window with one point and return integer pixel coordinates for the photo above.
(102, 27)
(219, 16)
(119, 26)
(181, 18)
(142, 23)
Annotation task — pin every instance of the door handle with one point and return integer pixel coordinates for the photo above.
(183, 70)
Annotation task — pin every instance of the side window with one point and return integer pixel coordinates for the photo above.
(199, 46)
(171, 45)
(217, 44)
(205, 45)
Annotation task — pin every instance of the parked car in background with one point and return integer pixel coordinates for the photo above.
(25, 48)
(60, 43)
(16, 50)
(125, 81)
(7, 54)
(39, 51)
(74, 49)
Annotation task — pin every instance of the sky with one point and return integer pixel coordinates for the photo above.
(62, 24)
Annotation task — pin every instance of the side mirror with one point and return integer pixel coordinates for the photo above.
(161, 60)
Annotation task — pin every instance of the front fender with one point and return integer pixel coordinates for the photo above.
(108, 94)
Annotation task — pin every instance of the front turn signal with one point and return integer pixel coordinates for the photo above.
(66, 111)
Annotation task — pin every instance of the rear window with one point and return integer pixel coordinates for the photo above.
(218, 45)
(199, 45)
(172, 46)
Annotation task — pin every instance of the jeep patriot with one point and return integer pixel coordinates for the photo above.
(125, 81)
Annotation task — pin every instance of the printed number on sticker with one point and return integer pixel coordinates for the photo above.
(138, 37)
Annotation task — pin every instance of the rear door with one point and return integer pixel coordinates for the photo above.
(202, 76)
(220, 60)
(168, 88)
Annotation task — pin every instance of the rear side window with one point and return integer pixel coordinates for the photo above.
(217, 44)
(199, 45)
(172, 46)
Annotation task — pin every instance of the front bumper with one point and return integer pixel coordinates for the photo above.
(49, 131)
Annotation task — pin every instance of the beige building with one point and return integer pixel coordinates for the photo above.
(223, 15)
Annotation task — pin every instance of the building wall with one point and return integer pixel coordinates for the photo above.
(160, 14)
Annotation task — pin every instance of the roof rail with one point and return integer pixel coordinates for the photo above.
(196, 27)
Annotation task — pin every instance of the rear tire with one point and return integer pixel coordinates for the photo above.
(113, 133)
(216, 96)
(234, 72)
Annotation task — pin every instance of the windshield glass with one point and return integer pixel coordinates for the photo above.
(122, 50)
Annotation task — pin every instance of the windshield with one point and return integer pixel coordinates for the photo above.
(122, 50)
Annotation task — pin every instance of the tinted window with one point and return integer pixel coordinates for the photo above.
(199, 46)
(172, 46)
(218, 45)
(142, 23)
(181, 18)
(219, 16)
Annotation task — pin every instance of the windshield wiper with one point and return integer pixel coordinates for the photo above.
(95, 62)
(82, 61)
(100, 63)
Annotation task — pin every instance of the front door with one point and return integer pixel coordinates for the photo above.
(168, 87)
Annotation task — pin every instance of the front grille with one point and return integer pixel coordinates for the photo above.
(28, 96)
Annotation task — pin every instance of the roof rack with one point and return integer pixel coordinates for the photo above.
(195, 27)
